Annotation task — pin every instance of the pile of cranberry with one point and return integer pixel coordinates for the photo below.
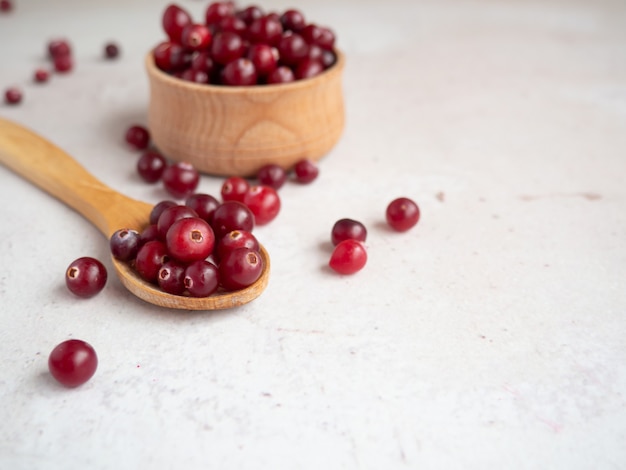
(243, 47)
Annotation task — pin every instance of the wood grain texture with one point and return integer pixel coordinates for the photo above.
(51, 169)
(236, 130)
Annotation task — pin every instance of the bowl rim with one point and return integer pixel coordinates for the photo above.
(333, 70)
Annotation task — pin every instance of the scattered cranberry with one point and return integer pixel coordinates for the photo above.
(13, 95)
(124, 244)
(279, 75)
(85, 277)
(171, 278)
(305, 171)
(150, 257)
(346, 229)
(170, 215)
(236, 239)
(232, 215)
(150, 166)
(196, 37)
(63, 63)
(111, 50)
(264, 203)
(174, 20)
(190, 239)
(6, 6)
(402, 214)
(180, 179)
(201, 278)
(158, 209)
(240, 268)
(272, 175)
(137, 137)
(73, 362)
(41, 75)
(59, 47)
(348, 257)
(234, 189)
(239, 72)
(203, 204)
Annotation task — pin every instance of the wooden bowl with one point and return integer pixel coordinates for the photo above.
(234, 131)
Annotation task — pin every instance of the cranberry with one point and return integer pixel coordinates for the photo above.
(272, 175)
(111, 50)
(308, 68)
(149, 260)
(326, 39)
(85, 277)
(292, 48)
(293, 20)
(265, 30)
(216, 11)
(234, 189)
(233, 24)
(170, 56)
(137, 137)
(150, 166)
(240, 268)
(73, 362)
(232, 215)
(171, 278)
(305, 171)
(170, 215)
(174, 20)
(328, 58)
(59, 47)
(279, 75)
(263, 57)
(158, 209)
(226, 47)
(13, 95)
(180, 179)
(195, 76)
(41, 75)
(249, 14)
(346, 229)
(201, 278)
(148, 234)
(402, 214)
(348, 257)
(202, 61)
(239, 72)
(190, 239)
(314, 34)
(264, 203)
(63, 63)
(203, 204)
(196, 37)
(236, 239)
(6, 6)
(124, 244)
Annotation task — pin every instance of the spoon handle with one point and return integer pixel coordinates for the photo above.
(51, 169)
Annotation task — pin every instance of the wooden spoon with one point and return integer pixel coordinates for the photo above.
(50, 168)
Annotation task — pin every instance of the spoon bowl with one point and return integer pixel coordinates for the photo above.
(51, 169)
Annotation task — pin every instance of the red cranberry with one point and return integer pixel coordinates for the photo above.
(158, 209)
(195, 76)
(124, 244)
(326, 39)
(265, 31)
(85, 277)
(202, 61)
(348, 257)
(149, 260)
(305, 171)
(280, 75)
(13, 95)
(216, 11)
(203, 204)
(232, 215)
(41, 75)
(236, 239)
(402, 214)
(170, 215)
(314, 34)
(6, 6)
(233, 24)
(249, 14)
(308, 68)
(328, 58)
(293, 20)
(73, 362)
(346, 229)
(240, 268)
(234, 189)
(111, 50)
(292, 48)
(196, 37)
(137, 137)
(264, 203)
(150, 166)
(59, 47)
(226, 47)
(239, 72)
(148, 234)
(174, 21)
(190, 239)
(180, 179)
(201, 279)
(263, 57)
(63, 63)
(170, 56)
(272, 175)
(171, 278)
